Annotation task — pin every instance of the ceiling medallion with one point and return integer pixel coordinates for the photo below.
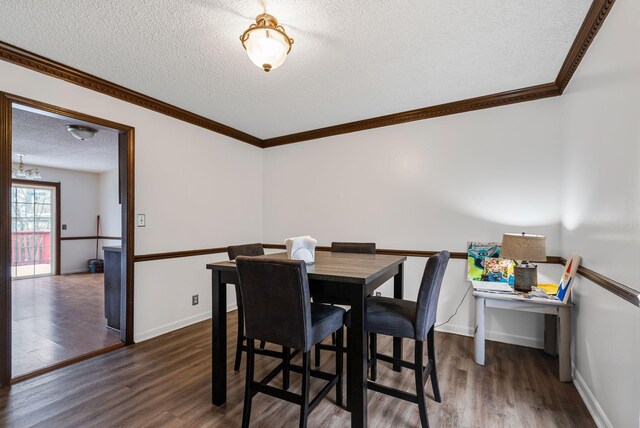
(266, 42)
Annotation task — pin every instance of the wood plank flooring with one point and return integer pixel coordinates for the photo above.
(165, 382)
(56, 318)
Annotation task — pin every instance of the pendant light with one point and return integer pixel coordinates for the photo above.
(22, 173)
(266, 42)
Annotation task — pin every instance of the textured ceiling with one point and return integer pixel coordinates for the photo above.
(351, 60)
(45, 141)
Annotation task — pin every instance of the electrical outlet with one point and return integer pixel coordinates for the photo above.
(142, 221)
(194, 300)
(64, 227)
(378, 294)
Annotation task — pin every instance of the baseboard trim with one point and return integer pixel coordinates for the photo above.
(529, 342)
(169, 327)
(71, 272)
(598, 415)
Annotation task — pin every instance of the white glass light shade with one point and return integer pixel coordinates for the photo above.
(266, 42)
(267, 48)
(81, 132)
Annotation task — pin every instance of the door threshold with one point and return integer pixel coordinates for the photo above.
(65, 363)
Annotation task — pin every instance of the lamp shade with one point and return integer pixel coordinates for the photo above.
(267, 48)
(81, 132)
(520, 246)
(266, 42)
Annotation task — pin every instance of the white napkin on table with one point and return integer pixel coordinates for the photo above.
(301, 248)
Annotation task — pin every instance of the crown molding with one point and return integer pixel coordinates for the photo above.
(494, 100)
(32, 61)
(590, 26)
(592, 23)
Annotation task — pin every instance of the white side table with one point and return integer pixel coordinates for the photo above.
(518, 302)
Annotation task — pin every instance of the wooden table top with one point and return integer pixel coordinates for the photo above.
(337, 267)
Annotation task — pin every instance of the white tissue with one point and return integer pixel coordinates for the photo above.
(301, 248)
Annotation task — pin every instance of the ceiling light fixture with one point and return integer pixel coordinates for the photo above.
(266, 42)
(21, 173)
(82, 132)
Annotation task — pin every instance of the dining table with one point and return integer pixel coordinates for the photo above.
(341, 278)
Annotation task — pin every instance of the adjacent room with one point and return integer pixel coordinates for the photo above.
(319, 214)
(64, 211)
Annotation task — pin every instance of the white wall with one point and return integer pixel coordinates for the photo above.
(78, 210)
(601, 214)
(110, 209)
(185, 182)
(428, 185)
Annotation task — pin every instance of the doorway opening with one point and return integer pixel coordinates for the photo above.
(66, 262)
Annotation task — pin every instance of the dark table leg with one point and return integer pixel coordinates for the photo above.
(218, 340)
(357, 362)
(398, 294)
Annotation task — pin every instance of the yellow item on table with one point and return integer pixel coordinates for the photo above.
(549, 288)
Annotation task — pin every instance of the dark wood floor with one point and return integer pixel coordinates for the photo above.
(165, 382)
(56, 318)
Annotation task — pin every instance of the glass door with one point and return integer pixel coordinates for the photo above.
(32, 230)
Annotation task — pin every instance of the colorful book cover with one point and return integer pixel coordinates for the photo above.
(477, 252)
(570, 269)
(498, 270)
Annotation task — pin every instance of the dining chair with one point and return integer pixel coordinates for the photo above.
(234, 251)
(411, 320)
(340, 247)
(353, 247)
(292, 321)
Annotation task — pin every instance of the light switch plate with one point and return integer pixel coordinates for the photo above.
(142, 222)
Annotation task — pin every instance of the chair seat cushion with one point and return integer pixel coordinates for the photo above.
(391, 317)
(325, 319)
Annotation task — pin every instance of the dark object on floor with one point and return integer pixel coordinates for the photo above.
(96, 265)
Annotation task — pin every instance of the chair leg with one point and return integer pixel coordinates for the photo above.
(248, 393)
(286, 357)
(304, 396)
(419, 373)
(373, 349)
(317, 355)
(339, 365)
(236, 365)
(262, 344)
(431, 353)
(333, 335)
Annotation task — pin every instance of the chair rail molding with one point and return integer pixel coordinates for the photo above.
(625, 292)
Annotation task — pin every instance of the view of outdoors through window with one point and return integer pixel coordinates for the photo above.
(31, 230)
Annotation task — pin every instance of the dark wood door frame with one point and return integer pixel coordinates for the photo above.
(126, 166)
(56, 267)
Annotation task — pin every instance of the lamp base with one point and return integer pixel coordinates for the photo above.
(525, 276)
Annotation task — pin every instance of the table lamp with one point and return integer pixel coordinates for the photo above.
(524, 249)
